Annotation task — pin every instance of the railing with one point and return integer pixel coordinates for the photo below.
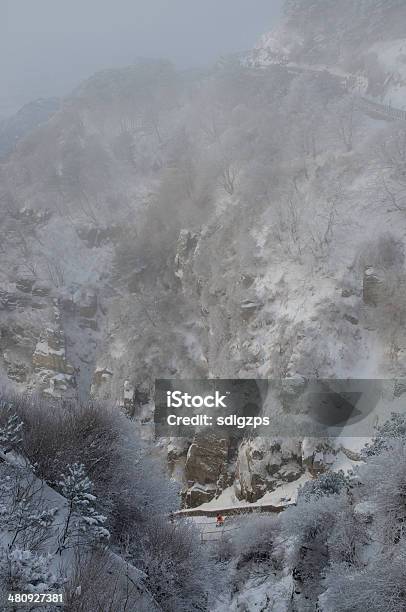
(219, 531)
(230, 511)
(397, 114)
(349, 82)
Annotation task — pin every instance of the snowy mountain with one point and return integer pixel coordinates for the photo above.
(28, 118)
(363, 39)
(246, 222)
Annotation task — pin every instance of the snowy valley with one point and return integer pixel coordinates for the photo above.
(246, 221)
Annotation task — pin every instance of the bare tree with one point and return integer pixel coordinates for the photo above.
(228, 177)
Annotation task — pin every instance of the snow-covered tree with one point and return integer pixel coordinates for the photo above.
(11, 433)
(328, 483)
(392, 430)
(377, 587)
(81, 516)
(384, 480)
(25, 516)
(30, 571)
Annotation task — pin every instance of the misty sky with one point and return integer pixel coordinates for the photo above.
(48, 46)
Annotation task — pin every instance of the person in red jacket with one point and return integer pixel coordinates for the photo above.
(219, 520)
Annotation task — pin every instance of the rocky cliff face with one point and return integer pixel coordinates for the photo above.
(242, 223)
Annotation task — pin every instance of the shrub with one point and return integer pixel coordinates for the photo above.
(57, 434)
(179, 571)
(379, 587)
(99, 581)
(328, 483)
(256, 538)
(386, 434)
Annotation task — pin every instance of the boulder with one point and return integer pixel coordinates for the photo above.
(206, 459)
(198, 494)
(263, 465)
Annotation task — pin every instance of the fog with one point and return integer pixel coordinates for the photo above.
(236, 230)
(48, 46)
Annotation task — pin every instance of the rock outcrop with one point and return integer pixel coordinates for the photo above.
(50, 363)
(263, 465)
(206, 459)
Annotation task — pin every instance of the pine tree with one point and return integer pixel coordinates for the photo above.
(77, 487)
(29, 571)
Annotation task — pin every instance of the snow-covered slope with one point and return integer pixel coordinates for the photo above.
(363, 39)
(39, 546)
